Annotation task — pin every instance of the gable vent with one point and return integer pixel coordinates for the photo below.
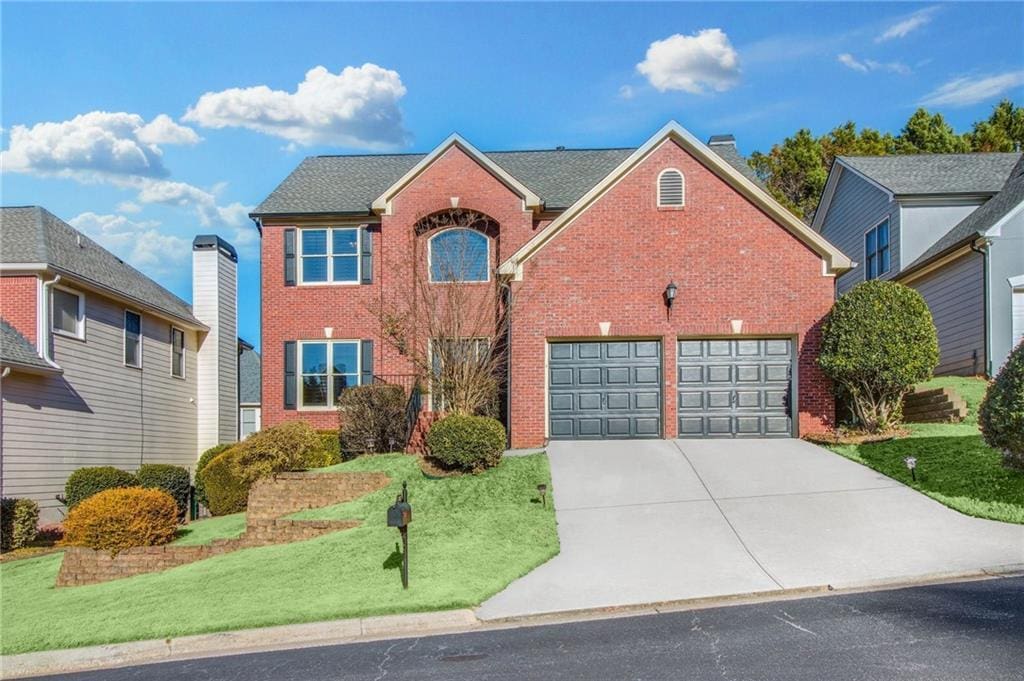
(671, 188)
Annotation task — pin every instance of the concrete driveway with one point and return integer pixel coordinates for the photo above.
(646, 521)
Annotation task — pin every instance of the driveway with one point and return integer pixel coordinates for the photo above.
(645, 521)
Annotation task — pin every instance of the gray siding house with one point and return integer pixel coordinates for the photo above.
(102, 366)
(249, 389)
(949, 225)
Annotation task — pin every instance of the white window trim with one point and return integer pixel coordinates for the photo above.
(299, 373)
(80, 334)
(124, 339)
(184, 353)
(682, 178)
(430, 257)
(256, 420)
(330, 257)
(863, 245)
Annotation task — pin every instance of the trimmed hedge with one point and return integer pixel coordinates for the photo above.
(291, 446)
(91, 480)
(469, 443)
(1001, 414)
(226, 492)
(205, 458)
(19, 523)
(330, 441)
(174, 480)
(372, 419)
(119, 519)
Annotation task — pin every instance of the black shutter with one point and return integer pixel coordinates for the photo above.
(366, 254)
(366, 370)
(289, 257)
(289, 373)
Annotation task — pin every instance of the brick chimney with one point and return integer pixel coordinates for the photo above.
(215, 303)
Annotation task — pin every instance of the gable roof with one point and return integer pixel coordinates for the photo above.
(17, 352)
(834, 261)
(350, 184)
(979, 222)
(977, 173)
(249, 368)
(33, 235)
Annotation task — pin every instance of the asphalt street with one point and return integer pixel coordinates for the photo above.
(968, 630)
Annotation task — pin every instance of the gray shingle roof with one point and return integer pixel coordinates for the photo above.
(248, 376)
(16, 349)
(349, 184)
(981, 220)
(936, 173)
(32, 234)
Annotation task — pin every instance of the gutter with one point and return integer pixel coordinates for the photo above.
(44, 322)
(986, 254)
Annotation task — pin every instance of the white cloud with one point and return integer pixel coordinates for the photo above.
(202, 202)
(967, 90)
(627, 92)
(139, 243)
(695, 64)
(907, 24)
(94, 147)
(848, 60)
(128, 207)
(357, 108)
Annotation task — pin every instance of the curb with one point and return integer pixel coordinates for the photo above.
(315, 634)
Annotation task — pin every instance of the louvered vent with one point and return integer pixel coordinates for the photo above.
(671, 188)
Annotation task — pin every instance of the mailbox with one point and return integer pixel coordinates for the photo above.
(400, 514)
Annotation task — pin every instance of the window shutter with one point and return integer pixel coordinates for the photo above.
(670, 188)
(366, 358)
(289, 374)
(366, 254)
(289, 257)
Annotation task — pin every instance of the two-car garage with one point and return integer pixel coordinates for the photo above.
(724, 388)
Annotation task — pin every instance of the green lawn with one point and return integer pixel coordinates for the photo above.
(469, 538)
(954, 465)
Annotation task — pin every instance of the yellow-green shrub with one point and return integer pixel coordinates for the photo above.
(122, 518)
(226, 491)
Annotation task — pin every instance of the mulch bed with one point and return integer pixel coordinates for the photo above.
(432, 468)
(845, 436)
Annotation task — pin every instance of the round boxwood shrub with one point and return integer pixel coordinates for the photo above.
(1001, 415)
(205, 458)
(118, 519)
(291, 446)
(19, 522)
(86, 482)
(469, 443)
(329, 440)
(876, 343)
(174, 480)
(372, 419)
(226, 491)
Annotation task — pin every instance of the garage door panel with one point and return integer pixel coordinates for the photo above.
(776, 373)
(588, 351)
(647, 401)
(561, 402)
(748, 373)
(647, 375)
(562, 428)
(691, 374)
(619, 401)
(588, 401)
(617, 375)
(719, 399)
(591, 376)
(690, 400)
(719, 425)
(561, 377)
(616, 350)
(647, 427)
(720, 373)
(748, 399)
(691, 426)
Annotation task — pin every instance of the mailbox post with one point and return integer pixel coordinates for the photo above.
(400, 515)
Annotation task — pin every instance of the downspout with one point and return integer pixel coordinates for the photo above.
(986, 255)
(44, 322)
(507, 288)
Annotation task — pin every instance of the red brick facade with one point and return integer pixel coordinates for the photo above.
(18, 303)
(729, 260)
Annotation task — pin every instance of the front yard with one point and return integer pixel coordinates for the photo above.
(470, 537)
(954, 465)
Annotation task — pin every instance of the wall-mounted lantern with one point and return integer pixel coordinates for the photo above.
(670, 294)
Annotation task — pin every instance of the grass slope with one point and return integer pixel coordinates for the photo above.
(954, 465)
(469, 538)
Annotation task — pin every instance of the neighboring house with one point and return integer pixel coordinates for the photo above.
(588, 241)
(949, 225)
(103, 366)
(248, 390)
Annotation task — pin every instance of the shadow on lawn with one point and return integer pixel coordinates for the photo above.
(394, 561)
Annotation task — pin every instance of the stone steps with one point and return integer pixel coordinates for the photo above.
(936, 405)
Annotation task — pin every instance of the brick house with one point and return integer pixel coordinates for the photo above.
(588, 242)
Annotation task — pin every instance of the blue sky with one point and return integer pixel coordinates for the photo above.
(145, 124)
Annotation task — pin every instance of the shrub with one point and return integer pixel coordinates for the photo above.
(470, 443)
(1001, 414)
(330, 441)
(174, 480)
(290, 446)
(119, 519)
(372, 419)
(205, 458)
(19, 520)
(226, 492)
(877, 342)
(86, 482)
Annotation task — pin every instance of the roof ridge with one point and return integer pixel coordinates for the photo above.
(926, 154)
(493, 151)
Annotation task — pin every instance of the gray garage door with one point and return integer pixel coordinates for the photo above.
(607, 389)
(735, 388)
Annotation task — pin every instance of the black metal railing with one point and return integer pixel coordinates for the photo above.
(410, 383)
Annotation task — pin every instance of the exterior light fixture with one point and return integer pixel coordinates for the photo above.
(670, 294)
(542, 490)
(911, 465)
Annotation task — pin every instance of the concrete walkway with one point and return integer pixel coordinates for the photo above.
(654, 520)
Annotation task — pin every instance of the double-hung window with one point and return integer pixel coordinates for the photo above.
(68, 313)
(132, 339)
(876, 250)
(329, 256)
(177, 353)
(327, 368)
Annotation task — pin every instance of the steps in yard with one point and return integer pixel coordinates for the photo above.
(935, 405)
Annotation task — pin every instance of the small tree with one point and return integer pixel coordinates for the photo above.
(1001, 415)
(877, 342)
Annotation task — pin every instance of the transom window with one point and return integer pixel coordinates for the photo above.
(177, 353)
(68, 312)
(132, 339)
(671, 188)
(458, 255)
(327, 368)
(329, 255)
(876, 250)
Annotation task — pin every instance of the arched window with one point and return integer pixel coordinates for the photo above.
(671, 188)
(457, 255)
